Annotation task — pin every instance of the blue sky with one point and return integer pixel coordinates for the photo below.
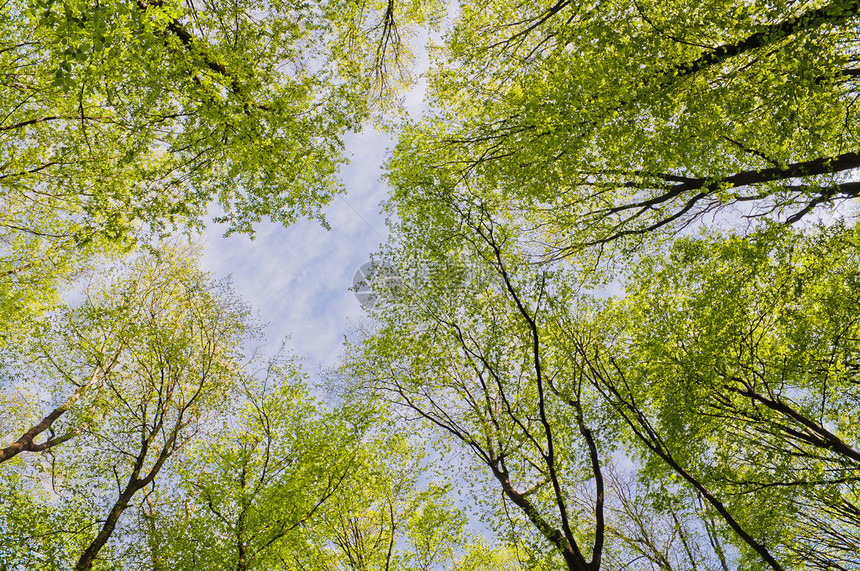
(298, 277)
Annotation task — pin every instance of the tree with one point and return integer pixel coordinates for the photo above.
(549, 153)
(206, 102)
(705, 419)
(36, 533)
(126, 118)
(466, 349)
(176, 456)
(173, 341)
(247, 494)
(605, 123)
(383, 517)
(103, 355)
(733, 363)
(78, 350)
(287, 485)
(724, 375)
(660, 530)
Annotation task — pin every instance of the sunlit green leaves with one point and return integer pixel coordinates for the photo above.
(621, 122)
(741, 353)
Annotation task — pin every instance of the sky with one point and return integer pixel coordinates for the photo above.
(299, 277)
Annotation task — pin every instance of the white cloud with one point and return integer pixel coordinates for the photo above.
(298, 277)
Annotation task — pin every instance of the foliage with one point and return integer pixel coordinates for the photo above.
(474, 358)
(680, 155)
(753, 397)
(149, 356)
(244, 494)
(724, 375)
(170, 454)
(384, 517)
(36, 532)
(147, 112)
(600, 123)
(567, 147)
(124, 118)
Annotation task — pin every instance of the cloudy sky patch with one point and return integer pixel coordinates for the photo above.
(299, 277)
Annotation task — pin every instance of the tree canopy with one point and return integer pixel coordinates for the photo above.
(610, 122)
(124, 118)
(618, 326)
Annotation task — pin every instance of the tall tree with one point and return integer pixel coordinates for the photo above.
(733, 363)
(246, 494)
(288, 485)
(174, 345)
(564, 133)
(464, 346)
(607, 122)
(724, 376)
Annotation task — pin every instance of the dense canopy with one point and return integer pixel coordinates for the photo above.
(615, 322)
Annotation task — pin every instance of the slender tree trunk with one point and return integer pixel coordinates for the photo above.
(135, 483)
(89, 555)
(572, 557)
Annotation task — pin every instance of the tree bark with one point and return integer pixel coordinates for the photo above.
(89, 555)
(26, 442)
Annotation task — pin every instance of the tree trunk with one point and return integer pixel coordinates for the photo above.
(89, 555)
